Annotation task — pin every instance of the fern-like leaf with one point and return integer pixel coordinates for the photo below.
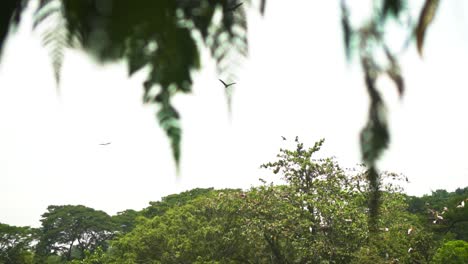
(229, 45)
(50, 20)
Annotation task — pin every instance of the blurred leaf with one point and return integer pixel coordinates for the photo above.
(55, 37)
(346, 27)
(426, 17)
(392, 7)
(262, 6)
(394, 72)
(10, 15)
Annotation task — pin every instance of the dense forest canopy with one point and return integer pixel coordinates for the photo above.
(319, 215)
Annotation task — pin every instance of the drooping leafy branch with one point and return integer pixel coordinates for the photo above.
(371, 42)
(164, 37)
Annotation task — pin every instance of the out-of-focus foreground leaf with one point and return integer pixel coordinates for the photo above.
(426, 17)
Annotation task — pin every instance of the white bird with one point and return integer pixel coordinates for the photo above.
(440, 217)
(410, 249)
(410, 230)
(461, 205)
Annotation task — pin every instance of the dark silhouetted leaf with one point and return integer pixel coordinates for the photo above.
(346, 27)
(262, 6)
(392, 7)
(426, 17)
(10, 15)
(394, 72)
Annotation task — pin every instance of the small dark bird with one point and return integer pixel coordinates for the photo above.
(105, 144)
(226, 85)
(234, 7)
(283, 138)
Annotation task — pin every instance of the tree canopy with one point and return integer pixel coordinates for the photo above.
(73, 229)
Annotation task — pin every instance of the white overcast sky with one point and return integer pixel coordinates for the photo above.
(295, 82)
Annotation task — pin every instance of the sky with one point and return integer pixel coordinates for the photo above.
(295, 82)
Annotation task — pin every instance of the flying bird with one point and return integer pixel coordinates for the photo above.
(105, 144)
(226, 85)
(461, 205)
(283, 138)
(230, 9)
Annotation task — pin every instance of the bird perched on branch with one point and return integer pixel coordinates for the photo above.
(226, 85)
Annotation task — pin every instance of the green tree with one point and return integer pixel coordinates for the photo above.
(204, 230)
(328, 214)
(454, 252)
(318, 216)
(69, 230)
(15, 244)
(443, 212)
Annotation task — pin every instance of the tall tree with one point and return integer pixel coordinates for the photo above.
(73, 227)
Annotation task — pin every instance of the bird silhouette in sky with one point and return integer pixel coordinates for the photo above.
(230, 9)
(105, 144)
(283, 138)
(226, 85)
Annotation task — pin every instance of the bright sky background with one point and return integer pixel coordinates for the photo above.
(295, 82)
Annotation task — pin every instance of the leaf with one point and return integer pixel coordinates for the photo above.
(262, 7)
(426, 17)
(392, 7)
(55, 36)
(346, 27)
(10, 12)
(394, 72)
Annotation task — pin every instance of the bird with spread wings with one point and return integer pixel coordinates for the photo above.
(226, 85)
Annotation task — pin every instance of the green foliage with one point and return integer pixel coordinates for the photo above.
(319, 216)
(204, 229)
(15, 244)
(443, 212)
(97, 257)
(158, 208)
(69, 230)
(125, 221)
(453, 252)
